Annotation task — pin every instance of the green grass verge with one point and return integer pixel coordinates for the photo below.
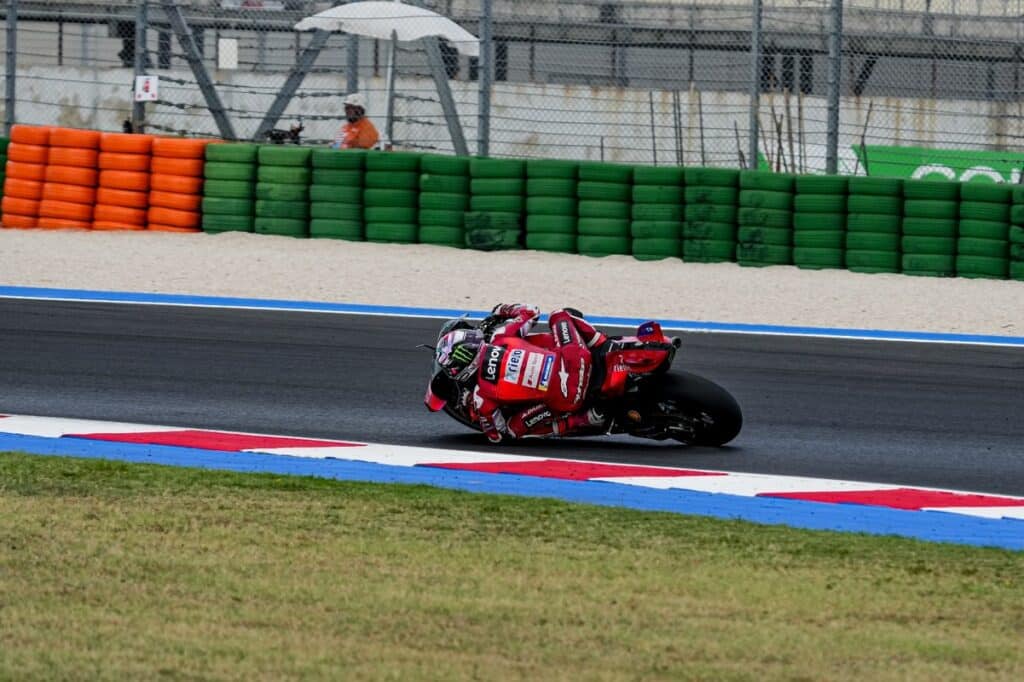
(120, 571)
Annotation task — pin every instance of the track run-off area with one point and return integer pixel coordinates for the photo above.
(916, 410)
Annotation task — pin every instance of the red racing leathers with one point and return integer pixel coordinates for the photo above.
(549, 385)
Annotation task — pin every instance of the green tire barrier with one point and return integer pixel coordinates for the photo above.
(229, 189)
(821, 239)
(432, 183)
(216, 223)
(328, 210)
(286, 175)
(656, 229)
(984, 229)
(765, 217)
(551, 206)
(872, 241)
(276, 192)
(988, 192)
(391, 198)
(872, 222)
(929, 265)
(396, 180)
(603, 191)
(984, 210)
(563, 188)
(228, 170)
(929, 227)
(667, 176)
(977, 267)
(552, 168)
(287, 227)
(819, 203)
(497, 187)
(621, 210)
(656, 249)
(821, 184)
(591, 171)
(812, 258)
(391, 233)
(819, 222)
(930, 190)
(298, 210)
(874, 204)
(986, 248)
(442, 235)
(603, 227)
(240, 152)
(492, 231)
(769, 182)
(284, 156)
(711, 177)
(720, 196)
(929, 246)
(543, 241)
(709, 250)
(334, 228)
(925, 208)
(875, 186)
(764, 235)
(444, 201)
(435, 164)
(551, 224)
(592, 245)
(718, 232)
(711, 213)
(333, 194)
(872, 261)
(496, 168)
(759, 255)
(657, 212)
(658, 194)
(499, 204)
(778, 201)
(387, 162)
(221, 206)
(339, 159)
(337, 177)
(437, 218)
(390, 214)
(1017, 270)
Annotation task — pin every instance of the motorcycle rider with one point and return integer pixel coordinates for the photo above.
(509, 371)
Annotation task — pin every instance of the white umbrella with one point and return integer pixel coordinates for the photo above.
(385, 20)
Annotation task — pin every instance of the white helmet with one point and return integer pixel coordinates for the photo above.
(355, 99)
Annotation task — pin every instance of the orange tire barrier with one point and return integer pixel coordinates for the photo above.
(138, 163)
(173, 217)
(26, 171)
(179, 148)
(74, 138)
(72, 156)
(121, 197)
(171, 166)
(49, 223)
(27, 153)
(23, 134)
(19, 221)
(175, 183)
(18, 206)
(23, 189)
(122, 143)
(158, 227)
(109, 225)
(120, 214)
(72, 175)
(127, 180)
(175, 200)
(65, 209)
(78, 194)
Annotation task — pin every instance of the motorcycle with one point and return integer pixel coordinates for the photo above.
(632, 383)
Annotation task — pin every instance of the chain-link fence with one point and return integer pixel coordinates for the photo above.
(854, 85)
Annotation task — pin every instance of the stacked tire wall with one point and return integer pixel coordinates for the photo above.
(391, 197)
(551, 205)
(122, 197)
(4, 142)
(25, 175)
(930, 218)
(657, 227)
(496, 203)
(229, 188)
(283, 178)
(982, 246)
(336, 195)
(1016, 235)
(873, 224)
(709, 228)
(443, 200)
(176, 184)
(765, 235)
(69, 193)
(605, 193)
(819, 222)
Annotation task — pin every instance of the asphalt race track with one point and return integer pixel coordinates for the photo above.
(925, 414)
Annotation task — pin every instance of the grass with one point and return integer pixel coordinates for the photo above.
(119, 571)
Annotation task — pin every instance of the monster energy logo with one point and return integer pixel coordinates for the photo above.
(463, 355)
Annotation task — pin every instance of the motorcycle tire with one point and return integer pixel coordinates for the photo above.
(775, 201)
(351, 230)
(712, 412)
(325, 210)
(226, 170)
(819, 222)
(711, 177)
(449, 184)
(281, 155)
(553, 169)
(335, 194)
(672, 176)
(437, 164)
(338, 159)
(821, 184)
(719, 196)
(767, 181)
(238, 152)
(497, 168)
(444, 201)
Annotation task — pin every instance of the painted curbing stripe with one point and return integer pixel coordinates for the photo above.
(91, 296)
(570, 470)
(903, 498)
(965, 530)
(213, 440)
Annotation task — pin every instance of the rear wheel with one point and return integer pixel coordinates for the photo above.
(693, 410)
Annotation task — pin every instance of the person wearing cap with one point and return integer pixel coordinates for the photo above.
(358, 132)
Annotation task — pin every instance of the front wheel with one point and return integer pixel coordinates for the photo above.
(695, 410)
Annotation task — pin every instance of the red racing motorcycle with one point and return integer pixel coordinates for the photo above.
(632, 383)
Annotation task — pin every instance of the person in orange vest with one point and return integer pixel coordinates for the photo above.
(358, 132)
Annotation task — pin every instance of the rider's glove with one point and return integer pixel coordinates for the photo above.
(508, 310)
